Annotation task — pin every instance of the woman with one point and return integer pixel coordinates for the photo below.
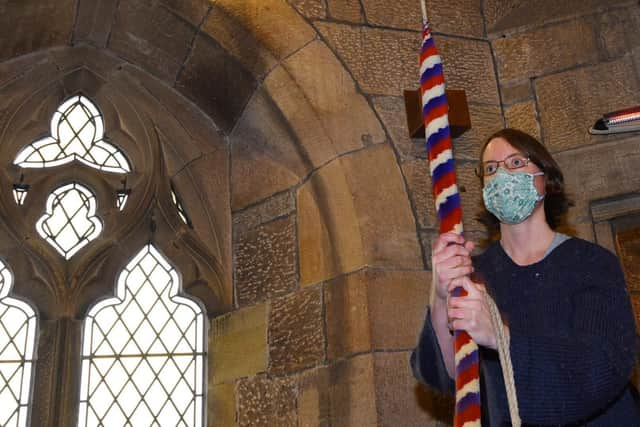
(563, 302)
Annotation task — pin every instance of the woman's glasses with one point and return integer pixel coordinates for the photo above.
(514, 161)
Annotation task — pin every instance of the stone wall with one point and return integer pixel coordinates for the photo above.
(324, 217)
(549, 73)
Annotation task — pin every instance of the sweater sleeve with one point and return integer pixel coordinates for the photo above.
(565, 377)
(426, 360)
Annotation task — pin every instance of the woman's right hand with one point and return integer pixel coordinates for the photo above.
(451, 259)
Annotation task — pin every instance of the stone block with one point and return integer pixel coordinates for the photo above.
(570, 102)
(314, 395)
(310, 8)
(32, 25)
(239, 41)
(266, 261)
(192, 11)
(418, 179)
(317, 143)
(216, 82)
(238, 344)
(383, 62)
(374, 310)
(355, 211)
(400, 399)
(347, 315)
(547, 49)
(485, 120)
(195, 128)
(468, 65)
(280, 205)
(345, 10)
(151, 37)
(221, 405)
(13, 69)
(343, 112)
(274, 23)
(265, 159)
(392, 112)
(507, 16)
(266, 402)
(397, 302)
(296, 332)
(594, 173)
(102, 63)
(516, 92)
(329, 238)
(523, 116)
(495, 10)
(91, 24)
(461, 17)
(353, 394)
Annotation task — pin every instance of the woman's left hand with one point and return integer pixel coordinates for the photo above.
(471, 312)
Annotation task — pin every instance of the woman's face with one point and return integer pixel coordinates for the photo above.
(499, 149)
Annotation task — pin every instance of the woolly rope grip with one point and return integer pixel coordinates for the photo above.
(505, 362)
(447, 199)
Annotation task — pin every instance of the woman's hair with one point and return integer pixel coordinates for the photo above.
(556, 202)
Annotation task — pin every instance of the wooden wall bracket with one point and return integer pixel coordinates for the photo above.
(459, 120)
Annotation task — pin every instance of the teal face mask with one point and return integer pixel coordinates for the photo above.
(511, 196)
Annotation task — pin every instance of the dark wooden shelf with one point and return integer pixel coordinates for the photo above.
(459, 120)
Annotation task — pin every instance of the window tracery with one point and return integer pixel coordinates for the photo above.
(77, 133)
(70, 222)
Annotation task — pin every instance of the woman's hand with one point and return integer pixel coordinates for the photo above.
(451, 259)
(471, 313)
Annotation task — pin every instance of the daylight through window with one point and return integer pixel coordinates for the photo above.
(77, 133)
(70, 220)
(143, 351)
(17, 341)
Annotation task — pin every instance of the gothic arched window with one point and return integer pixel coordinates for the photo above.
(142, 355)
(17, 341)
(143, 351)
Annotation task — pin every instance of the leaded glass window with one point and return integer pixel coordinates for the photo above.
(70, 220)
(77, 133)
(143, 351)
(17, 343)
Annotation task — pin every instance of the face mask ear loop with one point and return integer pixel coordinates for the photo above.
(541, 196)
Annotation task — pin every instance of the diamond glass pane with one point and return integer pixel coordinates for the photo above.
(77, 133)
(70, 220)
(133, 371)
(17, 343)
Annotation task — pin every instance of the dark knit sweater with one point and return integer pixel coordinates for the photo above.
(573, 340)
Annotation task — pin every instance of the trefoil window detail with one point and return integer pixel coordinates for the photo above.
(70, 220)
(17, 349)
(77, 133)
(143, 351)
